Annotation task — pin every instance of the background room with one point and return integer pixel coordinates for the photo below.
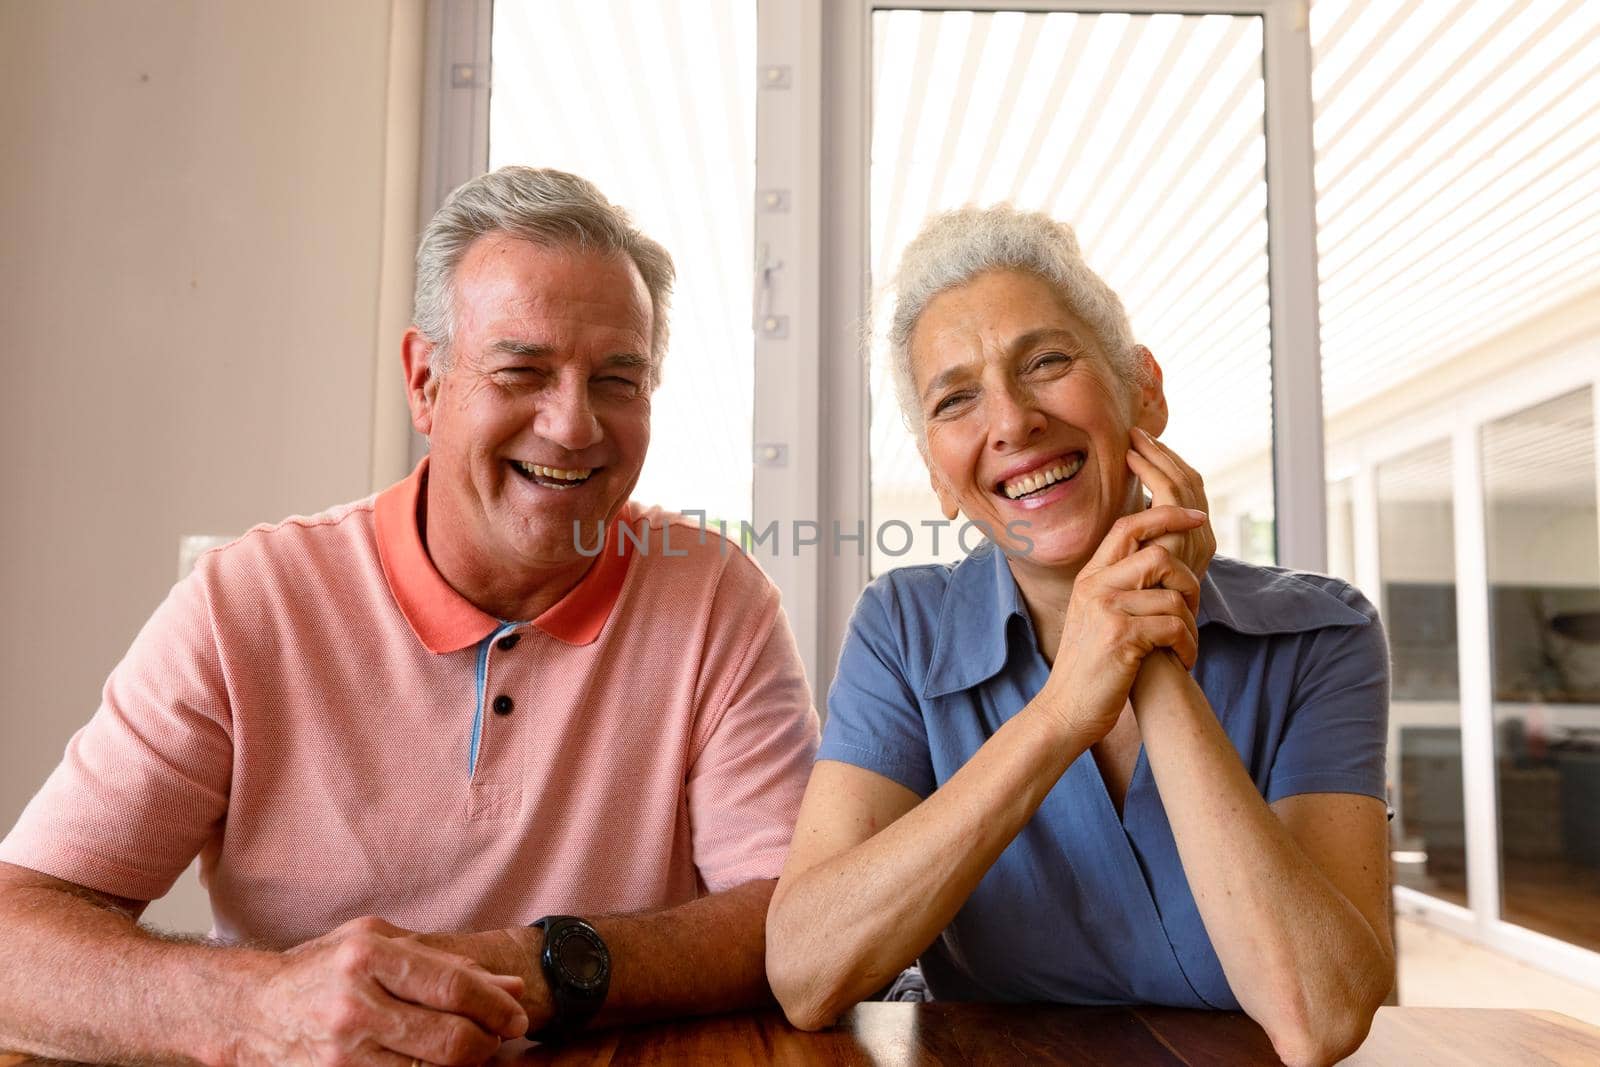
(1361, 237)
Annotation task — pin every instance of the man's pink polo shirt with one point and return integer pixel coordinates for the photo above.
(336, 732)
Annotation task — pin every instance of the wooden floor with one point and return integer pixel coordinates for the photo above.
(1555, 898)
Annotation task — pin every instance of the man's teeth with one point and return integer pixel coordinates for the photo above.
(553, 474)
(1032, 483)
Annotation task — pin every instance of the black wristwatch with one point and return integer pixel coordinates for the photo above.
(577, 968)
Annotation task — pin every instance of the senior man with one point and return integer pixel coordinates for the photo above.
(451, 707)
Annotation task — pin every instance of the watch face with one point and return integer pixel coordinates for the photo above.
(581, 957)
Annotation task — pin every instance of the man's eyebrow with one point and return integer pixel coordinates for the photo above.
(628, 360)
(520, 348)
(533, 350)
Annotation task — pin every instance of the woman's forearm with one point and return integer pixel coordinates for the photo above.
(1300, 957)
(843, 929)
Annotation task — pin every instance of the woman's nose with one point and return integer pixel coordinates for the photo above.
(1014, 418)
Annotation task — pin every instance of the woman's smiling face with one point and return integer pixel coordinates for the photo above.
(1026, 419)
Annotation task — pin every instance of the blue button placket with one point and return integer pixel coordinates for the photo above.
(480, 705)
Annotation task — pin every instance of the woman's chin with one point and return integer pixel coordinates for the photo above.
(1054, 551)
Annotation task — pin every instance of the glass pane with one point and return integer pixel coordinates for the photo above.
(1143, 132)
(655, 103)
(1458, 165)
(1544, 615)
(1416, 553)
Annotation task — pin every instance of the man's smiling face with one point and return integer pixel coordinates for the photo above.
(543, 418)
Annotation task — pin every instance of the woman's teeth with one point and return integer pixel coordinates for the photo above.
(1032, 483)
(554, 477)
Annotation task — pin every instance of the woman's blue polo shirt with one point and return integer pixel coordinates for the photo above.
(1084, 907)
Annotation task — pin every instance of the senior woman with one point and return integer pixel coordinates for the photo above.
(1088, 764)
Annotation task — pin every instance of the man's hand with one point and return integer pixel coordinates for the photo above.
(373, 994)
(1172, 481)
(512, 952)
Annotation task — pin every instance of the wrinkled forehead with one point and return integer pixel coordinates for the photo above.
(994, 315)
(504, 279)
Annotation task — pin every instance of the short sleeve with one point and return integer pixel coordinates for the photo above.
(756, 738)
(1338, 719)
(874, 719)
(144, 785)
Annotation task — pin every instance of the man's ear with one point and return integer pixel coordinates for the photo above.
(422, 386)
(1150, 400)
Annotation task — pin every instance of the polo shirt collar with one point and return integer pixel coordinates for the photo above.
(973, 640)
(975, 634)
(444, 620)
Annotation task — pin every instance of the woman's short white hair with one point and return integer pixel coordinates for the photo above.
(548, 207)
(957, 246)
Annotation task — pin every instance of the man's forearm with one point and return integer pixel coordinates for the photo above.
(699, 958)
(83, 981)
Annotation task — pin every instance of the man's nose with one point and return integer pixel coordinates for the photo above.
(1014, 417)
(566, 417)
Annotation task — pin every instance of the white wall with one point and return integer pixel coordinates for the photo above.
(193, 206)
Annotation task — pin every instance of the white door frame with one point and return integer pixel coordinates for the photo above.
(455, 112)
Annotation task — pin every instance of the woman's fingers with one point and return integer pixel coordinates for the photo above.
(1155, 469)
(1150, 567)
(1130, 531)
(1162, 488)
(1147, 603)
(1168, 631)
(1172, 481)
(1184, 481)
(1160, 484)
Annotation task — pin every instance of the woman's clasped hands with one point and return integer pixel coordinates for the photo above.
(1138, 594)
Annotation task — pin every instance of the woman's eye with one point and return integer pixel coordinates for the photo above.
(1051, 360)
(949, 402)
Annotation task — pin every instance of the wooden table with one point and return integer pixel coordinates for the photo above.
(892, 1035)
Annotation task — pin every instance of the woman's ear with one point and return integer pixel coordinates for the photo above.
(947, 499)
(1150, 398)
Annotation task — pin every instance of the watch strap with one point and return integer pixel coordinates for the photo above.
(574, 1005)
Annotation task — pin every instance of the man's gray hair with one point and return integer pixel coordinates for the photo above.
(545, 206)
(957, 246)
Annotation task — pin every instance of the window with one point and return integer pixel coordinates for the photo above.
(1544, 615)
(654, 104)
(1158, 164)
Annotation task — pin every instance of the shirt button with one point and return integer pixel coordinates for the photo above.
(503, 705)
(508, 642)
